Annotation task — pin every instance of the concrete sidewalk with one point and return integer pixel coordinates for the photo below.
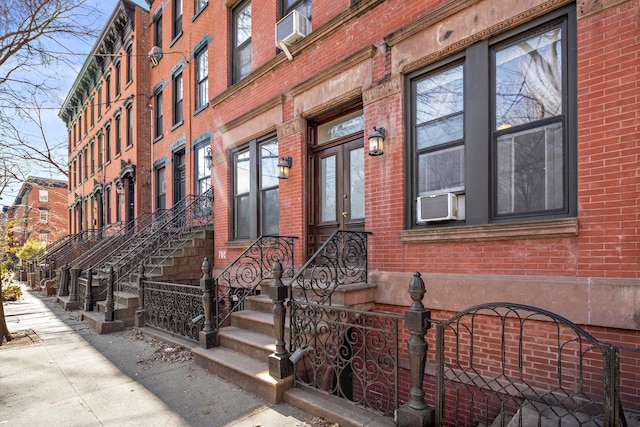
(59, 372)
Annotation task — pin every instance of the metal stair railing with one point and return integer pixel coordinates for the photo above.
(189, 214)
(341, 260)
(113, 237)
(244, 274)
(74, 247)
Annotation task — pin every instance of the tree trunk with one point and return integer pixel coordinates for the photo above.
(4, 331)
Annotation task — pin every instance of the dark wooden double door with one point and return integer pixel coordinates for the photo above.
(337, 199)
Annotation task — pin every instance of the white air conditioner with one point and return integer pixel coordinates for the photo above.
(292, 28)
(437, 207)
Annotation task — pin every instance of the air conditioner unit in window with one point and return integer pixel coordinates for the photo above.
(292, 28)
(437, 207)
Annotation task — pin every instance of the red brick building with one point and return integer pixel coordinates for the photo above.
(107, 118)
(39, 210)
(513, 127)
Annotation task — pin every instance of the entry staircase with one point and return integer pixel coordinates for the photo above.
(169, 244)
(246, 327)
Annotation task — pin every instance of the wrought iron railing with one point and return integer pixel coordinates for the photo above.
(348, 353)
(175, 224)
(78, 244)
(174, 308)
(499, 361)
(113, 236)
(341, 260)
(244, 274)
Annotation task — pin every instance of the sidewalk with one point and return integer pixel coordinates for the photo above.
(59, 372)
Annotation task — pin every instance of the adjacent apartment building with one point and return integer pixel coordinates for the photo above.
(39, 211)
(107, 117)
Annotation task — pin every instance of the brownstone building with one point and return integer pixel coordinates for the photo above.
(107, 118)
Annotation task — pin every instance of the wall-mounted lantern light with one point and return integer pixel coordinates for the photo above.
(283, 167)
(208, 158)
(376, 141)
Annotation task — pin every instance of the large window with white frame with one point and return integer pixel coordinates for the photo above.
(178, 96)
(495, 126)
(241, 40)
(255, 189)
(202, 77)
(177, 18)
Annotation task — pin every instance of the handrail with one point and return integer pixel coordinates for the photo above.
(244, 274)
(189, 213)
(341, 260)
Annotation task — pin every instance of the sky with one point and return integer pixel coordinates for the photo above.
(55, 127)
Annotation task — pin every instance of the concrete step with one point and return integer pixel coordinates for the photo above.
(252, 344)
(246, 372)
(334, 409)
(255, 321)
(261, 303)
(96, 321)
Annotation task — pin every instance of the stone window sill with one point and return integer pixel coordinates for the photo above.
(556, 228)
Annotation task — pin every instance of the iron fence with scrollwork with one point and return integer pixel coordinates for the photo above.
(349, 353)
(174, 308)
(244, 274)
(341, 260)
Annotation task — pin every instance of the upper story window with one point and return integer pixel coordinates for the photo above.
(302, 6)
(241, 39)
(118, 78)
(118, 134)
(129, 125)
(93, 111)
(202, 78)
(107, 90)
(43, 196)
(100, 102)
(255, 189)
(129, 63)
(177, 18)
(100, 150)
(107, 142)
(92, 151)
(158, 114)
(178, 96)
(157, 31)
(199, 5)
(44, 216)
(504, 108)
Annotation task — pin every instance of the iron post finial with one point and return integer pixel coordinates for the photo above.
(276, 270)
(206, 267)
(417, 291)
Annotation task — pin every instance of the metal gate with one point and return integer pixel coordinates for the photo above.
(518, 365)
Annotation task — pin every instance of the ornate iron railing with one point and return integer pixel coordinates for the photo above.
(244, 274)
(500, 361)
(349, 353)
(341, 260)
(192, 213)
(174, 308)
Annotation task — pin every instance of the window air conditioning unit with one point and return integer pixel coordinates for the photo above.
(437, 207)
(292, 28)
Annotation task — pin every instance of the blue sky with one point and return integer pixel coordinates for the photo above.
(64, 78)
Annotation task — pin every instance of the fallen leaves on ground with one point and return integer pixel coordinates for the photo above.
(163, 352)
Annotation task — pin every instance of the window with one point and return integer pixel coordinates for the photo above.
(157, 31)
(158, 114)
(202, 76)
(129, 125)
(203, 175)
(177, 99)
(118, 78)
(44, 216)
(199, 5)
(100, 102)
(80, 168)
(302, 6)
(100, 148)
(241, 61)
(107, 143)
(43, 196)
(177, 18)
(107, 90)
(500, 108)
(86, 163)
(93, 111)
(93, 156)
(118, 135)
(255, 190)
(161, 188)
(129, 63)
(44, 237)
